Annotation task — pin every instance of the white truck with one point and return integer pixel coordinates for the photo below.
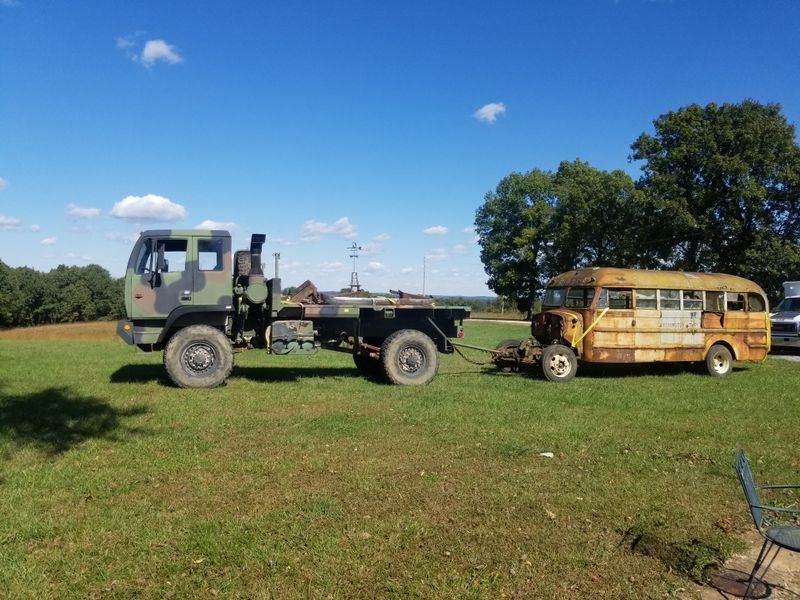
(785, 320)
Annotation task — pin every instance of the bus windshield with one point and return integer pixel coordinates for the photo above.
(554, 297)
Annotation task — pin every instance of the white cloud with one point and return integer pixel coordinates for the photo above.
(371, 249)
(314, 230)
(7, 223)
(406, 270)
(48, 241)
(374, 267)
(122, 238)
(209, 224)
(382, 237)
(436, 230)
(76, 212)
(9, 3)
(3, 184)
(469, 230)
(488, 113)
(445, 253)
(148, 208)
(159, 50)
(35, 228)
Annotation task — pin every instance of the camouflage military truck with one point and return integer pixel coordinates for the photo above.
(188, 294)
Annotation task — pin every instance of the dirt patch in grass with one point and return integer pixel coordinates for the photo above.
(94, 331)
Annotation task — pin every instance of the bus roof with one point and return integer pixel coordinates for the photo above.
(643, 278)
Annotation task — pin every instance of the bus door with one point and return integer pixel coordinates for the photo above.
(614, 337)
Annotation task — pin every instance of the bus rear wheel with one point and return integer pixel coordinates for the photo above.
(559, 363)
(719, 360)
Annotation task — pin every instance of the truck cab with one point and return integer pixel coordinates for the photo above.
(785, 321)
(175, 278)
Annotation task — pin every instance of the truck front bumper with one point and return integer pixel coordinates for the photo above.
(785, 341)
(125, 331)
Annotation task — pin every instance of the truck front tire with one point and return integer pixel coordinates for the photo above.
(198, 356)
(409, 357)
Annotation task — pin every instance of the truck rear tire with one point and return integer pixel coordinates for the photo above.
(198, 356)
(559, 363)
(409, 357)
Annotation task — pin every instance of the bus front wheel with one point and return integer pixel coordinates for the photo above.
(559, 363)
(719, 360)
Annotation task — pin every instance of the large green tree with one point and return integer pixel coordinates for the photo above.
(725, 183)
(513, 228)
(600, 218)
(538, 224)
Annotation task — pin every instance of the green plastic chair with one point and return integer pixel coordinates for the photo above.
(775, 535)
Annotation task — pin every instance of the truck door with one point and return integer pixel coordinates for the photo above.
(157, 292)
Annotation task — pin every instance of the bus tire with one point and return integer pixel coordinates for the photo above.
(719, 361)
(559, 363)
(409, 357)
(198, 356)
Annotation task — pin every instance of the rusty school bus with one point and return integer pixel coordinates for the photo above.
(610, 315)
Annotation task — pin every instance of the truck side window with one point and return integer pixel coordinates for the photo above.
(143, 258)
(174, 255)
(209, 255)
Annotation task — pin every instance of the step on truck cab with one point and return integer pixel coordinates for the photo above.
(187, 293)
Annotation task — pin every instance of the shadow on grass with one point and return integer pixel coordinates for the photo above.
(151, 373)
(56, 419)
(616, 371)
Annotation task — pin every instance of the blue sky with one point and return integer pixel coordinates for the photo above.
(321, 123)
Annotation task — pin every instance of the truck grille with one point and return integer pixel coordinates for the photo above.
(784, 328)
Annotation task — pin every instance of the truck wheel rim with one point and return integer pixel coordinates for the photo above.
(199, 358)
(720, 363)
(559, 365)
(411, 360)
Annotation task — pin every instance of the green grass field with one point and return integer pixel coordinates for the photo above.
(301, 479)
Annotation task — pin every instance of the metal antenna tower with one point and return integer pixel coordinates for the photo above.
(354, 285)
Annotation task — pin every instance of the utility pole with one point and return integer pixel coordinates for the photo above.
(277, 257)
(354, 285)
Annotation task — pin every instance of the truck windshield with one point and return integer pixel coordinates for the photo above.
(788, 305)
(554, 297)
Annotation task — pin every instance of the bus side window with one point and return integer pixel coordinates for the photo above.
(670, 299)
(646, 299)
(734, 300)
(755, 302)
(615, 299)
(692, 300)
(715, 301)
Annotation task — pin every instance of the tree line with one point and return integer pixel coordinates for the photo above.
(62, 295)
(719, 191)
